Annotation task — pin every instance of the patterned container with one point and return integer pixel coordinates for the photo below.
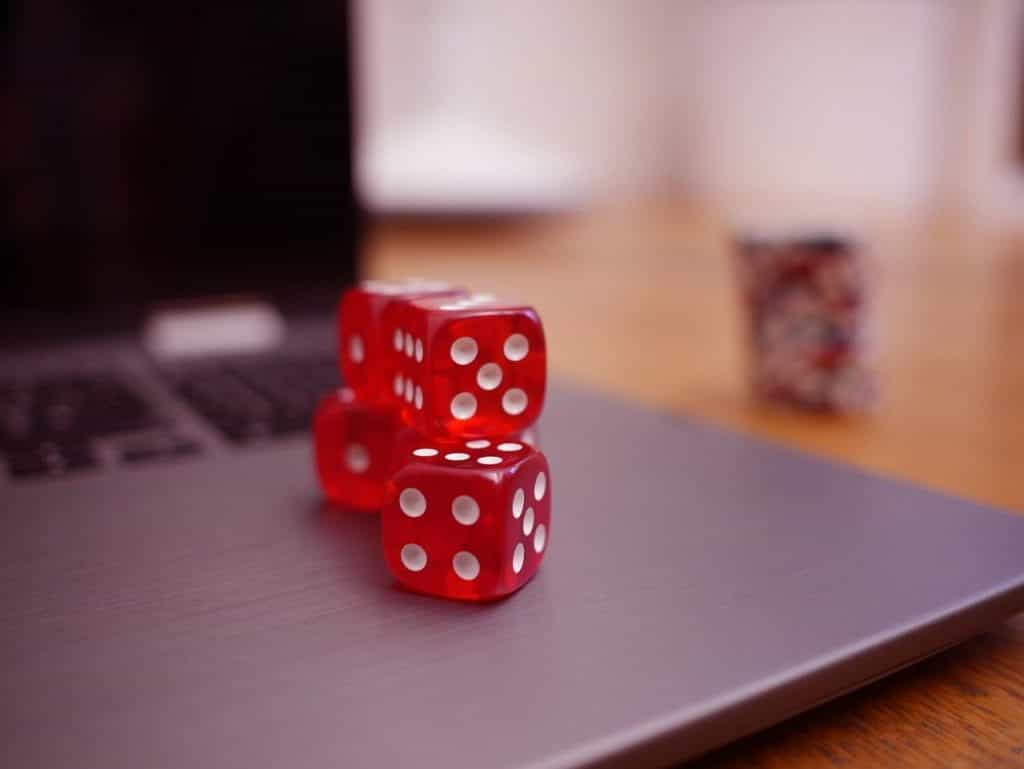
(807, 313)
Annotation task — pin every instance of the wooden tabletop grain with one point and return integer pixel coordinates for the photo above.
(639, 300)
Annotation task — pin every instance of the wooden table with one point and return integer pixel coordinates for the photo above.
(639, 301)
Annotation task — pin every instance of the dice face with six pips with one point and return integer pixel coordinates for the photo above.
(482, 370)
(364, 350)
(435, 430)
(470, 522)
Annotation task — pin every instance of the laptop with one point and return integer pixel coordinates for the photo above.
(176, 592)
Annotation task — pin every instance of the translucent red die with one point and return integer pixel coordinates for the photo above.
(468, 523)
(364, 348)
(482, 370)
(354, 447)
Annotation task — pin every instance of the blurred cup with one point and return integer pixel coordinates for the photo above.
(806, 305)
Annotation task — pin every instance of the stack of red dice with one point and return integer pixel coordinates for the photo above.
(434, 431)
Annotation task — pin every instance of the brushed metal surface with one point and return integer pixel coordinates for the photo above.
(699, 585)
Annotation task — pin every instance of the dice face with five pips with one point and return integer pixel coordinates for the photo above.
(436, 431)
(482, 368)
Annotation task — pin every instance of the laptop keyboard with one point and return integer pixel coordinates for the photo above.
(258, 398)
(48, 426)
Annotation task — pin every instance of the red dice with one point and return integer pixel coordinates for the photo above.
(436, 432)
(481, 369)
(470, 523)
(364, 350)
(353, 448)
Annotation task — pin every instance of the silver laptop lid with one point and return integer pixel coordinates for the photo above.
(699, 585)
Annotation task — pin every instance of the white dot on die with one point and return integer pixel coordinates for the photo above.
(516, 347)
(540, 537)
(465, 510)
(398, 340)
(357, 458)
(425, 452)
(489, 461)
(457, 456)
(463, 406)
(412, 502)
(408, 390)
(518, 500)
(489, 376)
(464, 350)
(477, 444)
(414, 557)
(399, 384)
(540, 486)
(528, 521)
(408, 344)
(355, 348)
(517, 558)
(509, 446)
(466, 565)
(514, 401)
(419, 397)
(419, 351)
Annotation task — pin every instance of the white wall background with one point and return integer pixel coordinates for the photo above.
(985, 180)
(814, 101)
(566, 96)
(897, 106)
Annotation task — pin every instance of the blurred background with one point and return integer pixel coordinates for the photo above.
(897, 108)
(596, 158)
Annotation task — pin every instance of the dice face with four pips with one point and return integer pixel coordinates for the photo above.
(435, 431)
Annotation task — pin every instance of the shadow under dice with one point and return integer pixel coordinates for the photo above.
(468, 522)
(364, 348)
(482, 369)
(353, 443)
